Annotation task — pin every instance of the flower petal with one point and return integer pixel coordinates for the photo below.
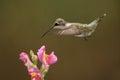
(35, 74)
(25, 58)
(40, 54)
(51, 59)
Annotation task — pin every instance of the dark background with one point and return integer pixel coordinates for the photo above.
(22, 22)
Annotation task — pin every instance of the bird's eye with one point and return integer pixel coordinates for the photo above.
(56, 24)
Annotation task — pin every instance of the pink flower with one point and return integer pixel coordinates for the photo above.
(46, 59)
(35, 74)
(32, 67)
(25, 58)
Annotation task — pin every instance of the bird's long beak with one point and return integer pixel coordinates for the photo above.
(48, 31)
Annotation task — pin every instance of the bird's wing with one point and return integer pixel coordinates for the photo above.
(70, 31)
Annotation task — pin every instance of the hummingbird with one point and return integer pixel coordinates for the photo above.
(74, 28)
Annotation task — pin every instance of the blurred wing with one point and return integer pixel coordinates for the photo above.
(70, 31)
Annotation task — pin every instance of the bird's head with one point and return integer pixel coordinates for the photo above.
(59, 23)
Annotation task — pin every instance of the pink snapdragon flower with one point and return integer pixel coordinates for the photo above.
(33, 71)
(35, 74)
(46, 59)
(25, 58)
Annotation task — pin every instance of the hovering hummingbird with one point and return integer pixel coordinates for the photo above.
(75, 29)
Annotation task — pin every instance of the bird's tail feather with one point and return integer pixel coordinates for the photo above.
(96, 21)
(100, 18)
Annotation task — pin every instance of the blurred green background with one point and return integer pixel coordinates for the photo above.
(22, 22)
